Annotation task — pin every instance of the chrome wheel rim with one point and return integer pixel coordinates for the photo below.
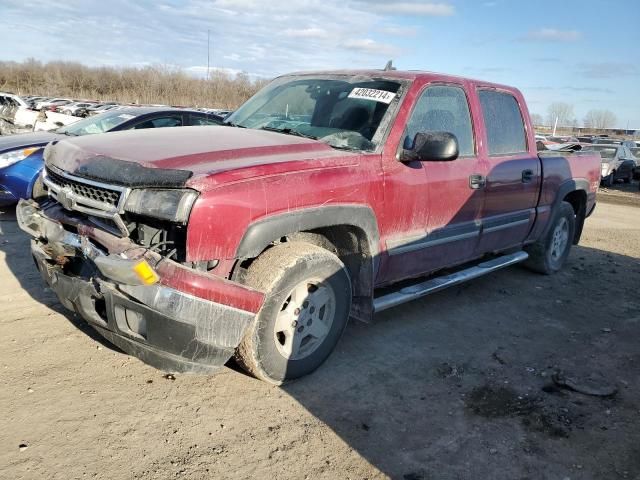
(560, 239)
(305, 319)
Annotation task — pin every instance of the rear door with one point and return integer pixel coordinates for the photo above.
(512, 182)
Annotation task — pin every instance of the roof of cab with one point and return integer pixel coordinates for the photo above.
(410, 75)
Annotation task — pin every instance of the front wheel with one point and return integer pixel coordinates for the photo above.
(39, 192)
(609, 180)
(549, 253)
(306, 308)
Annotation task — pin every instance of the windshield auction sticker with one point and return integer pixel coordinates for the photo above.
(372, 94)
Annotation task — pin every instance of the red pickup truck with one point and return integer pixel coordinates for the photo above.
(326, 196)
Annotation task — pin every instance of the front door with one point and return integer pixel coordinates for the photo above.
(446, 230)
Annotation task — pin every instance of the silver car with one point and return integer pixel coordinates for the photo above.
(618, 163)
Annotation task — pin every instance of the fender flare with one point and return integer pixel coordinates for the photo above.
(264, 231)
(566, 187)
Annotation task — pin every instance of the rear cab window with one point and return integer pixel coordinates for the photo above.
(503, 122)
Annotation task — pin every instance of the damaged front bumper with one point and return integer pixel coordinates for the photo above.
(187, 321)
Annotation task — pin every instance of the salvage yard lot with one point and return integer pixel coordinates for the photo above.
(454, 386)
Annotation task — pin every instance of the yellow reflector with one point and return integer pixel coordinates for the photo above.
(145, 273)
(28, 151)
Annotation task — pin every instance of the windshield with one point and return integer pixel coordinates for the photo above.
(606, 152)
(344, 112)
(98, 124)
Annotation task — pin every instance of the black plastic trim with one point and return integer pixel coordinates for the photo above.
(263, 232)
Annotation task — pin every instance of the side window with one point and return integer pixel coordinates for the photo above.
(503, 122)
(442, 108)
(161, 122)
(198, 120)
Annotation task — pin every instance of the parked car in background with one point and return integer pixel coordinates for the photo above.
(21, 155)
(14, 109)
(32, 101)
(618, 163)
(98, 109)
(73, 108)
(54, 102)
(563, 139)
(613, 141)
(635, 151)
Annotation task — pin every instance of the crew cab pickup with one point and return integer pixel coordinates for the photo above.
(326, 196)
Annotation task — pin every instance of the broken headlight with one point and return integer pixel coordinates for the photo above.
(166, 204)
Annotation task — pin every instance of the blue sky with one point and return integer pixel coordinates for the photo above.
(586, 53)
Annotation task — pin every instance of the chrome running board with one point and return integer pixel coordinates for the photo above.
(436, 284)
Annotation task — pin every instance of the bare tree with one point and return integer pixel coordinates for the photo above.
(151, 84)
(562, 111)
(537, 119)
(598, 119)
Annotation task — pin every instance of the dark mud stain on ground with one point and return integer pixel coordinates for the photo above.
(497, 402)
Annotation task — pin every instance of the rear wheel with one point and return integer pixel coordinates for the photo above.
(307, 303)
(549, 254)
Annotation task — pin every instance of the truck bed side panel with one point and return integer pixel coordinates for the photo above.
(562, 173)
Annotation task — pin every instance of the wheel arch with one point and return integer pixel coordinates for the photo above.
(350, 231)
(574, 192)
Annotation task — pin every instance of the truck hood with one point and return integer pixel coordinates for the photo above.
(173, 156)
(26, 140)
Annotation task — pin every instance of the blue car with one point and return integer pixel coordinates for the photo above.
(21, 155)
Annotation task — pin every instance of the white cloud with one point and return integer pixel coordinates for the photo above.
(554, 35)
(311, 32)
(367, 45)
(417, 8)
(265, 38)
(399, 31)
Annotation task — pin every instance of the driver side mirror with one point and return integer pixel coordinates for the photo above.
(432, 147)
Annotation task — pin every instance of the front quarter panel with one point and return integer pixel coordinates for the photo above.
(18, 179)
(221, 216)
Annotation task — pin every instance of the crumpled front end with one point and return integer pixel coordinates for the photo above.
(168, 315)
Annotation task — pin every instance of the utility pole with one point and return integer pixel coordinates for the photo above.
(208, 50)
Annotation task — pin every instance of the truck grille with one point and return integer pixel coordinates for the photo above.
(91, 192)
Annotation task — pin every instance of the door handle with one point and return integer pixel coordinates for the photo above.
(527, 176)
(477, 181)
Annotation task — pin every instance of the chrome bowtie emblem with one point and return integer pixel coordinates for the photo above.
(65, 198)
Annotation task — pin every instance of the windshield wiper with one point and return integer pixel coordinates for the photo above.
(68, 133)
(289, 131)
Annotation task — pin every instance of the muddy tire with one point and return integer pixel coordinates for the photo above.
(38, 191)
(306, 309)
(549, 254)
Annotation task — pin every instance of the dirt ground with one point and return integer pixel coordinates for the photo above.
(455, 386)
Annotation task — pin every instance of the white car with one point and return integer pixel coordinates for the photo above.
(52, 102)
(15, 109)
(72, 108)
